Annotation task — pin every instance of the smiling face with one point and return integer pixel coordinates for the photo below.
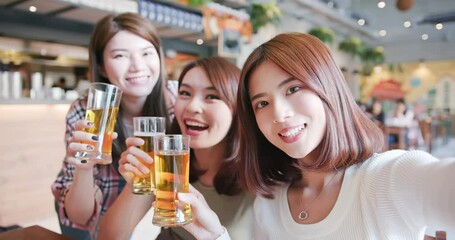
(200, 110)
(289, 115)
(132, 63)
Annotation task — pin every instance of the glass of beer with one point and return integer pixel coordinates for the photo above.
(172, 163)
(102, 109)
(146, 128)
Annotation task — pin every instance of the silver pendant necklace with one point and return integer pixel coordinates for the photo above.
(304, 215)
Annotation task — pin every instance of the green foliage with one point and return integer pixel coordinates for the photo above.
(197, 3)
(353, 46)
(370, 58)
(324, 34)
(263, 13)
(373, 55)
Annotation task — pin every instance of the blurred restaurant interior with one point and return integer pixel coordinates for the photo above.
(389, 51)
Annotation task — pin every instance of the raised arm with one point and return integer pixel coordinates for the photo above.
(129, 208)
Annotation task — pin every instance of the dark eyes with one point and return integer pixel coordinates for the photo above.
(293, 89)
(118, 55)
(210, 96)
(184, 93)
(261, 104)
(148, 53)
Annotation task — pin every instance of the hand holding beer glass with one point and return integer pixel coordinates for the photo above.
(102, 109)
(172, 163)
(146, 128)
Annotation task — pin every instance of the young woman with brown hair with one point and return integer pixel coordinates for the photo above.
(124, 51)
(315, 160)
(205, 109)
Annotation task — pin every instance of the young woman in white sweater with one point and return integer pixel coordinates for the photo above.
(314, 158)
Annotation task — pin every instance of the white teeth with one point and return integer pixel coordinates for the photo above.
(292, 132)
(137, 79)
(194, 124)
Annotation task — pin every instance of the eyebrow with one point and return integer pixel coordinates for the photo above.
(188, 86)
(284, 82)
(125, 50)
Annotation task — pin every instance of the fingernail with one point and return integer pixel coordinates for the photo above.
(83, 161)
(89, 147)
(95, 138)
(90, 124)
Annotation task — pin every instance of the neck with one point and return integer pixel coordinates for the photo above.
(132, 107)
(210, 160)
(315, 180)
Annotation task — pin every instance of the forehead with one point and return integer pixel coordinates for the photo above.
(196, 78)
(127, 40)
(267, 75)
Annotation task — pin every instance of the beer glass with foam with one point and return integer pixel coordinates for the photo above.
(102, 109)
(146, 128)
(172, 163)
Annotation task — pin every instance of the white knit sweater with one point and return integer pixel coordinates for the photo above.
(393, 195)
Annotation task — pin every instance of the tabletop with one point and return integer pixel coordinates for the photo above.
(32, 232)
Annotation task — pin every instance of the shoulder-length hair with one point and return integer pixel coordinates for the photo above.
(350, 136)
(104, 30)
(224, 76)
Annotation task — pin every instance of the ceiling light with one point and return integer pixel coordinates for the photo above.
(199, 41)
(407, 24)
(382, 33)
(32, 9)
(439, 26)
(381, 4)
(424, 36)
(361, 22)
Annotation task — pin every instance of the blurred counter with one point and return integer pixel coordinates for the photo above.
(31, 152)
(28, 101)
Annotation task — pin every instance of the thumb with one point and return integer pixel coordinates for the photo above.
(188, 198)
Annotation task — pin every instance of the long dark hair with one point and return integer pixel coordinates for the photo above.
(350, 137)
(105, 29)
(224, 76)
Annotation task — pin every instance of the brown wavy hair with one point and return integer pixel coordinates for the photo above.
(350, 137)
(104, 30)
(224, 76)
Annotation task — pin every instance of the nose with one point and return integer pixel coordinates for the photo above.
(281, 111)
(136, 62)
(194, 105)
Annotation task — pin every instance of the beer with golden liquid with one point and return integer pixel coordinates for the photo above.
(145, 184)
(102, 154)
(172, 176)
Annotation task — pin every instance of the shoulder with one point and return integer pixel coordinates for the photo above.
(392, 170)
(397, 158)
(77, 110)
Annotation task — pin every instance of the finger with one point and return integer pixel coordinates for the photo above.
(81, 124)
(74, 147)
(141, 155)
(134, 161)
(194, 198)
(196, 193)
(84, 136)
(134, 141)
(132, 169)
(114, 135)
(189, 198)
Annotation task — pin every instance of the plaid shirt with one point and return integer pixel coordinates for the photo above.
(106, 177)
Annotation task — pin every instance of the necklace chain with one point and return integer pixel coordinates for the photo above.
(304, 215)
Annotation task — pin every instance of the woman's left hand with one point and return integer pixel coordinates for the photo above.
(206, 224)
